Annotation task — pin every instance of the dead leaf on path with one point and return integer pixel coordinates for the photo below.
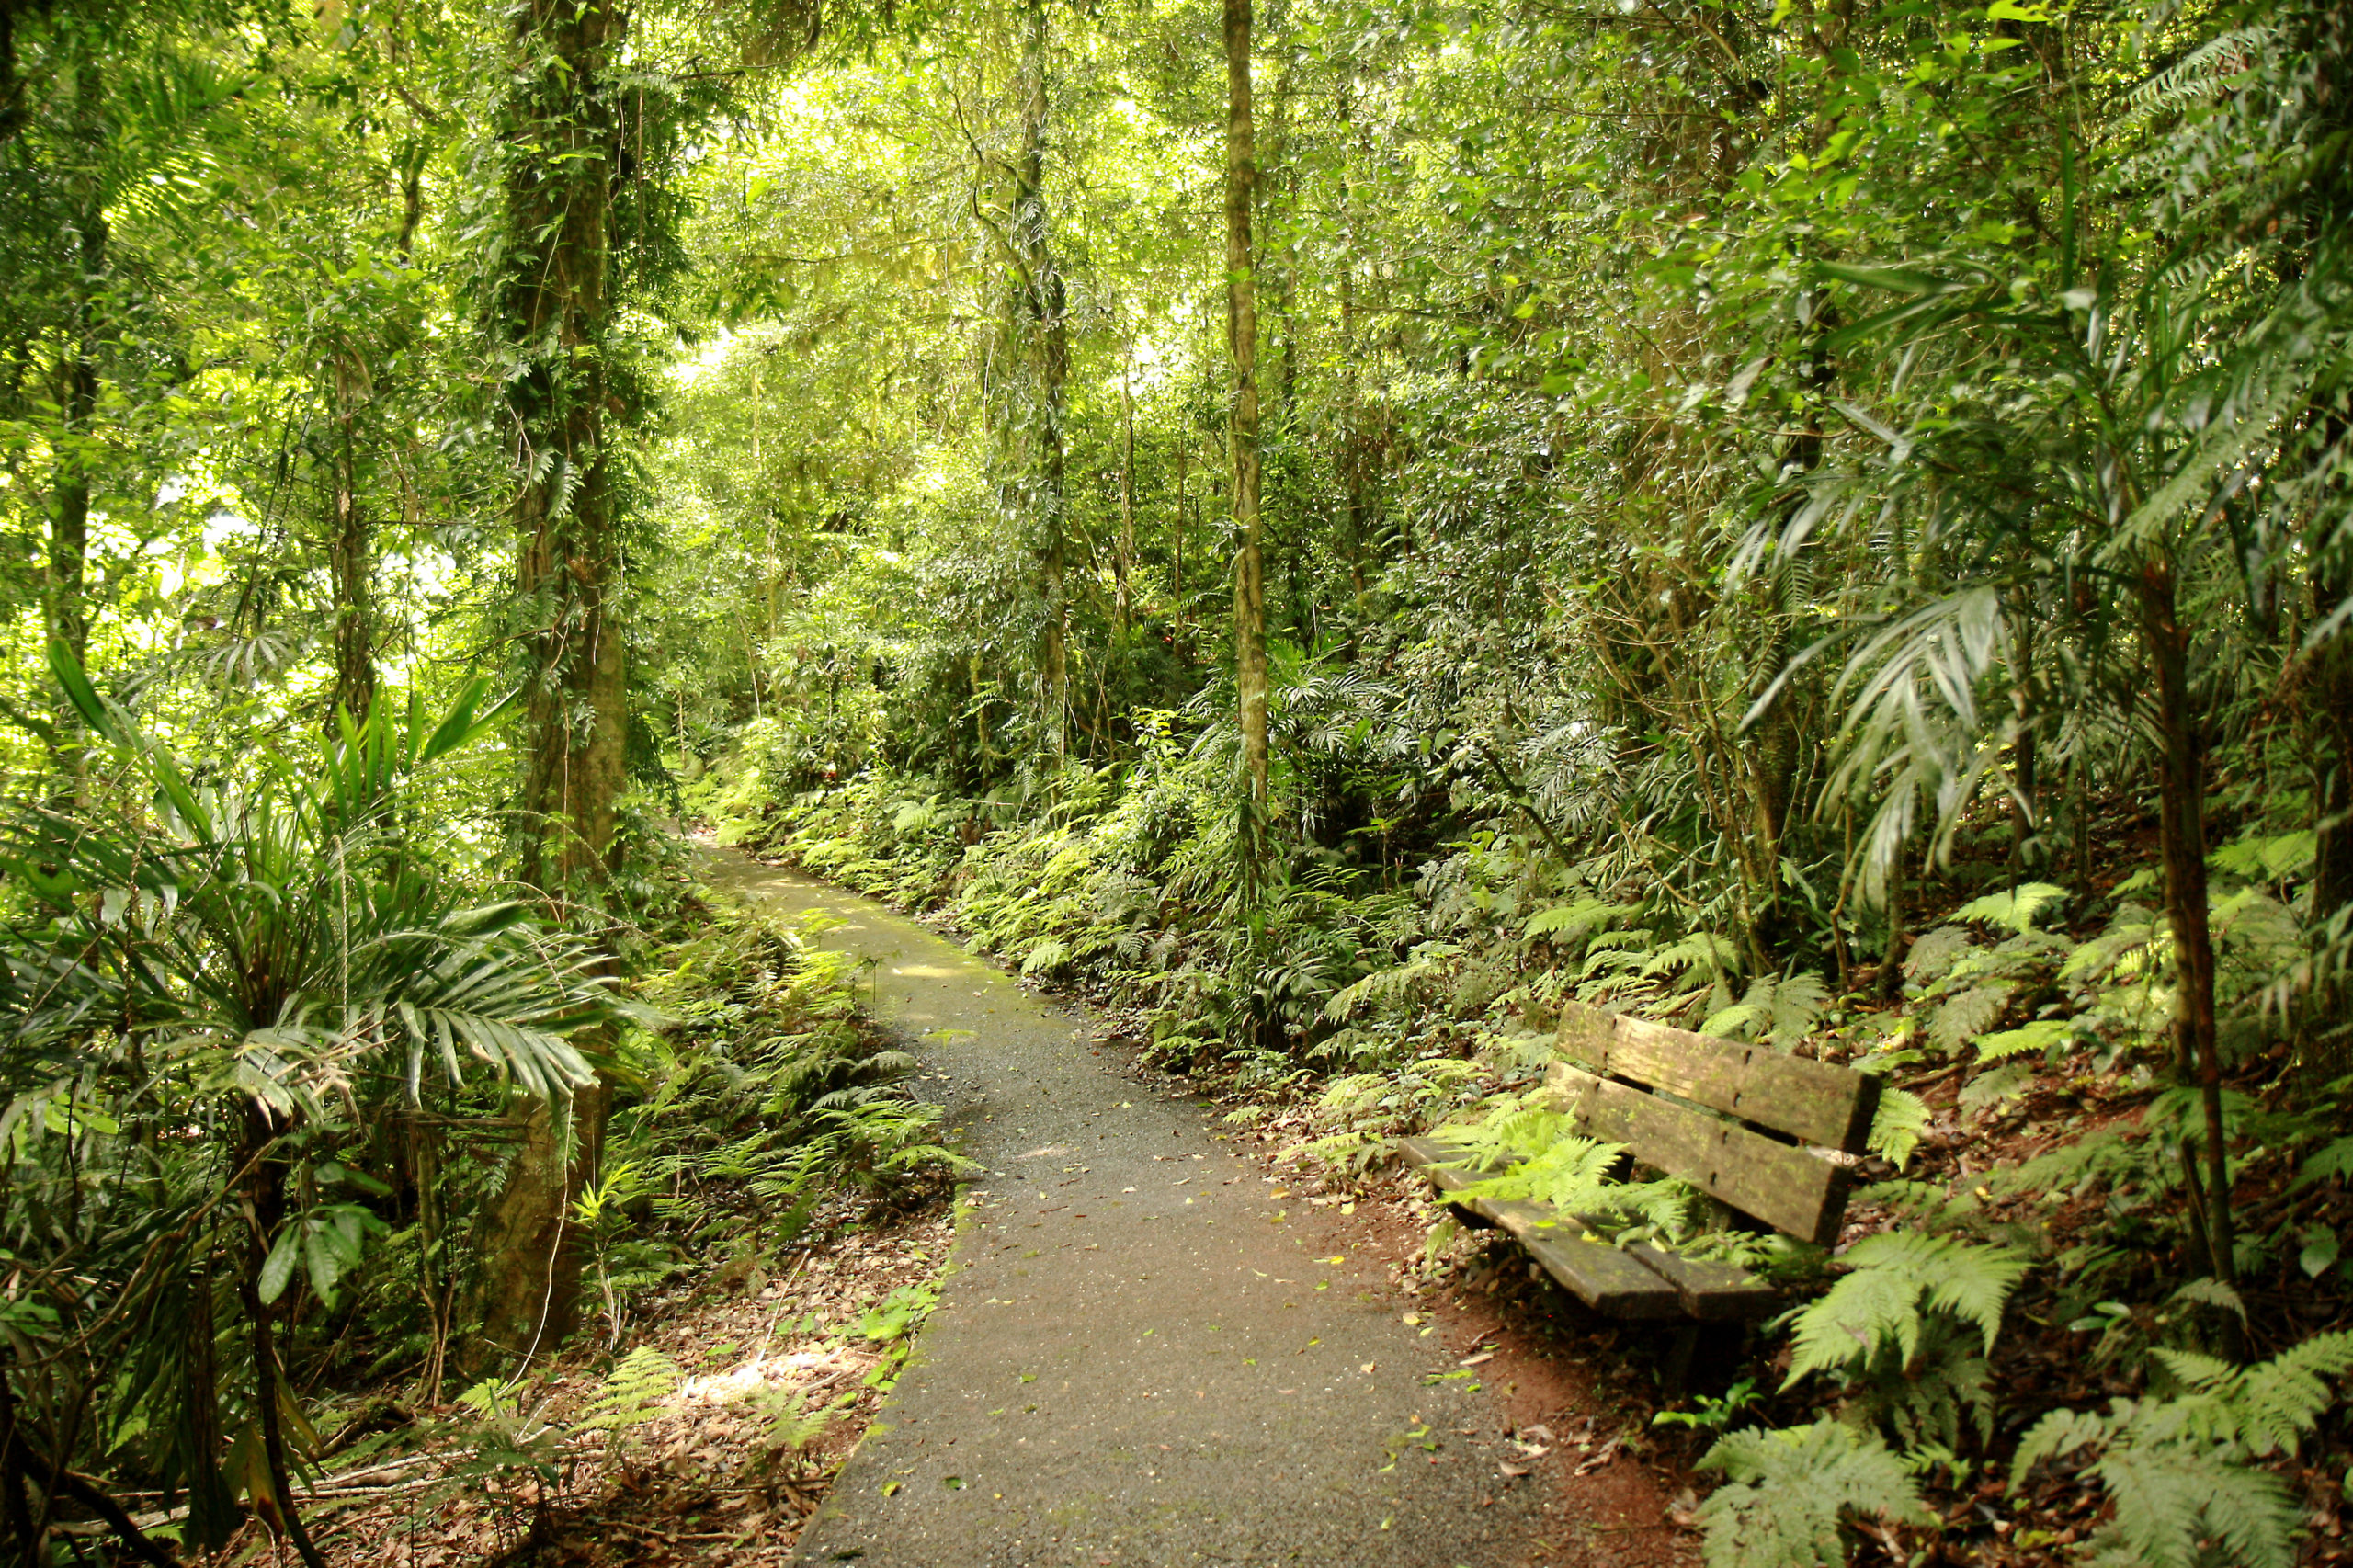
(1601, 1455)
(1474, 1360)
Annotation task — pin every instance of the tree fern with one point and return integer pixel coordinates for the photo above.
(1788, 1494)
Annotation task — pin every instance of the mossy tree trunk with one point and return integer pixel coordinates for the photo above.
(2181, 816)
(1042, 306)
(1242, 422)
(564, 139)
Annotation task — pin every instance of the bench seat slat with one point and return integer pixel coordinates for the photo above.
(1711, 1290)
(1796, 1192)
(1812, 1101)
(1642, 1283)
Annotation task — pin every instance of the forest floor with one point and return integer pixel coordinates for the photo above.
(694, 1478)
(1153, 1343)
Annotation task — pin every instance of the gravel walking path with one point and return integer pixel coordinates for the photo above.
(1137, 1359)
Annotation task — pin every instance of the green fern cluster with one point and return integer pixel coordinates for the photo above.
(1907, 1330)
(761, 1087)
(1535, 1157)
(1789, 1496)
(2182, 1470)
(1778, 1009)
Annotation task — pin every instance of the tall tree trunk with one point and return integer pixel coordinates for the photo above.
(1176, 565)
(1773, 744)
(212, 1512)
(565, 139)
(12, 89)
(2025, 811)
(1241, 415)
(263, 1176)
(351, 560)
(1123, 567)
(2328, 726)
(1043, 303)
(66, 601)
(2181, 816)
(1281, 203)
(1352, 455)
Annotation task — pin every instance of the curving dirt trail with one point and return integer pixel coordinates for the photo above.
(1135, 1359)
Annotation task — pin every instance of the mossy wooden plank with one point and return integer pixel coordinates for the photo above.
(1813, 1102)
(1711, 1291)
(1431, 1157)
(1611, 1282)
(1796, 1192)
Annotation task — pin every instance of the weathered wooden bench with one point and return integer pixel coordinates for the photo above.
(1747, 1125)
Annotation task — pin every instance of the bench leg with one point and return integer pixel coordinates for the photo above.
(1675, 1372)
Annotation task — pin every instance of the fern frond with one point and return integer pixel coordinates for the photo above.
(2334, 1159)
(1574, 920)
(2015, 910)
(1700, 948)
(631, 1394)
(1963, 1017)
(791, 1425)
(1897, 1278)
(2199, 76)
(1515, 1128)
(2284, 1398)
(1046, 957)
(2057, 1435)
(1896, 1125)
(2170, 1499)
(1787, 1495)
(2040, 1035)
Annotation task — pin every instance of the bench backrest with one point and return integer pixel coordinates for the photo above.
(1739, 1122)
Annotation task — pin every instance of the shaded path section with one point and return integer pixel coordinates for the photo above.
(1134, 1361)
